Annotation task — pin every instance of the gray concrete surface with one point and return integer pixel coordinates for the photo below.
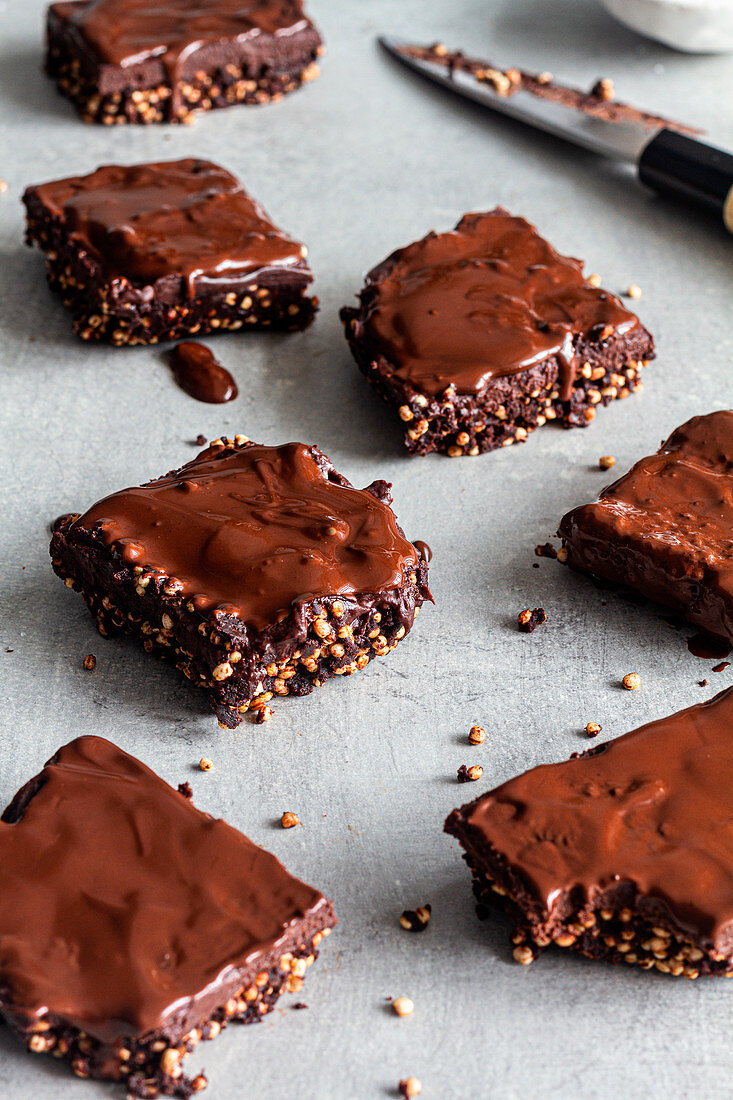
(362, 161)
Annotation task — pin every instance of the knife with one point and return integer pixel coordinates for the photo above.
(667, 160)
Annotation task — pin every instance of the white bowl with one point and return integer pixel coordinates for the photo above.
(695, 26)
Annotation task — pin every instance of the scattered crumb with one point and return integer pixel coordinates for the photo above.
(90, 662)
(477, 735)
(10, 651)
(605, 462)
(403, 1006)
(469, 775)
(632, 681)
(702, 683)
(416, 920)
(527, 620)
(3, 187)
(562, 555)
(545, 78)
(603, 89)
(200, 440)
(721, 666)
(185, 790)
(594, 279)
(199, 1083)
(633, 291)
(205, 764)
(535, 565)
(264, 714)
(299, 1005)
(546, 550)
(593, 729)
(410, 1086)
(288, 820)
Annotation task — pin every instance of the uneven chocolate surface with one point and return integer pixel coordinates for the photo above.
(487, 300)
(201, 375)
(186, 219)
(255, 531)
(652, 809)
(124, 908)
(666, 527)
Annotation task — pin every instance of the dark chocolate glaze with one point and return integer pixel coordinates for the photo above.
(653, 809)
(256, 532)
(123, 908)
(489, 299)
(666, 527)
(198, 373)
(423, 549)
(187, 219)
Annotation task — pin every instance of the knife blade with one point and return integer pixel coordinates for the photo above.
(668, 160)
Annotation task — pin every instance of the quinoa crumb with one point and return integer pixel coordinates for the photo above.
(603, 89)
(594, 279)
(605, 462)
(410, 1086)
(199, 1083)
(205, 764)
(264, 714)
(477, 735)
(289, 819)
(702, 683)
(185, 790)
(403, 1006)
(546, 550)
(90, 662)
(633, 291)
(3, 187)
(416, 920)
(562, 555)
(469, 775)
(527, 620)
(631, 681)
(592, 729)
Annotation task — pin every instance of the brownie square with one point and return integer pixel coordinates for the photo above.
(134, 61)
(666, 527)
(259, 571)
(132, 925)
(478, 336)
(151, 252)
(624, 853)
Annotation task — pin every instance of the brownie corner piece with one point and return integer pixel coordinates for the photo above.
(250, 603)
(106, 56)
(153, 252)
(618, 853)
(664, 528)
(152, 927)
(478, 336)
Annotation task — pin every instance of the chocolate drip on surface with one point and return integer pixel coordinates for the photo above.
(201, 376)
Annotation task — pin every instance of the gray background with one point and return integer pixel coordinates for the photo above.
(358, 163)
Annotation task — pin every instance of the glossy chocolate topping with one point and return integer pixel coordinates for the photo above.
(669, 522)
(187, 218)
(256, 531)
(122, 905)
(126, 32)
(486, 300)
(198, 373)
(653, 808)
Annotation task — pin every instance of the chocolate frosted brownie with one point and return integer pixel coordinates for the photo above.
(480, 335)
(666, 527)
(152, 252)
(132, 925)
(623, 853)
(258, 571)
(134, 61)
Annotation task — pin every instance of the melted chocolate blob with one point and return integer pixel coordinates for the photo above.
(187, 219)
(489, 299)
(255, 531)
(704, 645)
(123, 908)
(653, 808)
(423, 550)
(201, 376)
(721, 667)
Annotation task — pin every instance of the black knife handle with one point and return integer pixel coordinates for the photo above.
(677, 165)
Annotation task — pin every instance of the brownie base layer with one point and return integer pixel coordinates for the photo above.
(152, 1066)
(616, 926)
(333, 636)
(116, 311)
(143, 94)
(508, 408)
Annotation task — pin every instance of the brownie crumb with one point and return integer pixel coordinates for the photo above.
(546, 550)
(593, 729)
(416, 920)
(185, 790)
(469, 775)
(299, 1005)
(527, 620)
(90, 662)
(200, 440)
(702, 683)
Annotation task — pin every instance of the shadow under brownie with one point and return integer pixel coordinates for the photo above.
(153, 252)
(132, 925)
(259, 571)
(478, 336)
(132, 61)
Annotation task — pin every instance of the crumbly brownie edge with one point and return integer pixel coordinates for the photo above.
(612, 926)
(115, 311)
(511, 407)
(226, 86)
(336, 636)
